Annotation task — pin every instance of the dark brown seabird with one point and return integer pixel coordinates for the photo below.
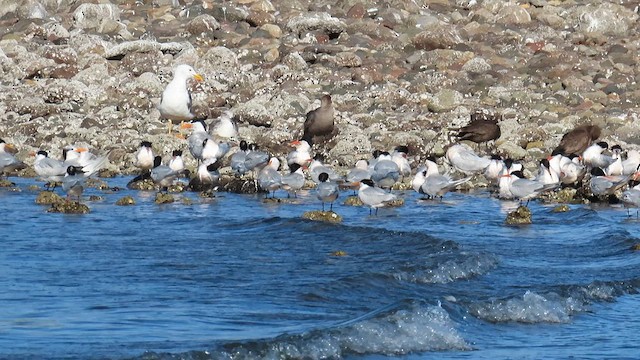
(481, 129)
(578, 140)
(319, 122)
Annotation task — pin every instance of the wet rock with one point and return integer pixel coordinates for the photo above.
(560, 208)
(566, 195)
(239, 185)
(142, 182)
(521, 216)
(125, 201)
(339, 253)
(164, 198)
(69, 207)
(48, 198)
(326, 216)
(635, 247)
(186, 201)
(6, 183)
(353, 201)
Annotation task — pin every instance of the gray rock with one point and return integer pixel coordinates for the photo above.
(445, 100)
(87, 16)
(120, 50)
(304, 23)
(203, 24)
(513, 15)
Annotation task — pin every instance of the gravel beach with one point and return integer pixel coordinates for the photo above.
(399, 72)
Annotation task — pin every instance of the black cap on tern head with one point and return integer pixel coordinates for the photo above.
(72, 170)
(518, 173)
(603, 145)
(295, 166)
(402, 149)
(545, 163)
(145, 144)
(42, 152)
(596, 171)
(367, 182)
(376, 153)
(243, 145)
(616, 147)
(496, 157)
(176, 153)
(508, 162)
(201, 121)
(253, 147)
(323, 177)
(157, 161)
(431, 158)
(318, 157)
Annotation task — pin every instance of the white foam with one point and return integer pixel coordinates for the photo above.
(451, 270)
(530, 308)
(419, 328)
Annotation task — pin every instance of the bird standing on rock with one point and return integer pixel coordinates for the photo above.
(175, 103)
(162, 175)
(73, 182)
(481, 129)
(578, 140)
(144, 157)
(7, 160)
(327, 191)
(372, 196)
(319, 122)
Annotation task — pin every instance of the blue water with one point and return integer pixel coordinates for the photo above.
(234, 277)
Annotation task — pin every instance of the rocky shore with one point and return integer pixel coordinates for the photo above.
(399, 72)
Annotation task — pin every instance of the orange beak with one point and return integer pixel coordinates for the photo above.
(295, 142)
(10, 148)
(32, 153)
(81, 150)
(186, 125)
(198, 78)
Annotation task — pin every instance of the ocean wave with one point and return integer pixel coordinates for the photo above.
(553, 306)
(392, 332)
(439, 271)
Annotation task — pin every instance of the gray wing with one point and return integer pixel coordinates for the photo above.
(293, 180)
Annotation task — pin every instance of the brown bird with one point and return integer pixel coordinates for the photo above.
(319, 122)
(481, 129)
(578, 140)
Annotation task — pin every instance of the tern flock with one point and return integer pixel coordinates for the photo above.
(579, 161)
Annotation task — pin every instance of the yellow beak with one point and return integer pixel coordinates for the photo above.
(198, 78)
